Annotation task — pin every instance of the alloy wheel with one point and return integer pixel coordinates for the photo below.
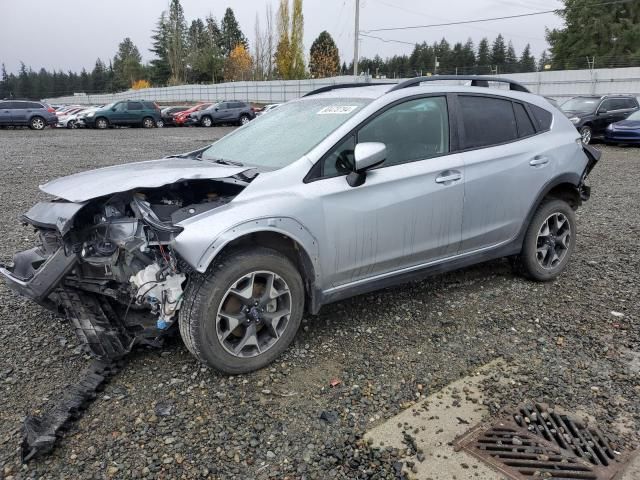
(160, 124)
(585, 133)
(147, 123)
(206, 122)
(244, 120)
(554, 239)
(37, 123)
(253, 314)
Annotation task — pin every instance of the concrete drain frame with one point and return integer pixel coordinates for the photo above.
(538, 442)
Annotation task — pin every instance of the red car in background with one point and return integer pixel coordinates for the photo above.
(180, 118)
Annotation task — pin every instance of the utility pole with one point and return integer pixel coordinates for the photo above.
(356, 39)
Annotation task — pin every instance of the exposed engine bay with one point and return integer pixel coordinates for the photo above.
(115, 254)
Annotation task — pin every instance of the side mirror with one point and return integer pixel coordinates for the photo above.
(216, 109)
(113, 109)
(601, 111)
(367, 155)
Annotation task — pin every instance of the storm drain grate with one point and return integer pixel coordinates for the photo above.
(536, 442)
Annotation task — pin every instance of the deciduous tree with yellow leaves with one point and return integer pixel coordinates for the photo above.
(238, 65)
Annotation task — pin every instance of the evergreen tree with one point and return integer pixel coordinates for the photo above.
(160, 70)
(99, 77)
(324, 58)
(498, 52)
(610, 30)
(527, 61)
(483, 59)
(127, 66)
(511, 60)
(468, 54)
(232, 36)
(544, 61)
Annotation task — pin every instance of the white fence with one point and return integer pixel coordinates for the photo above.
(555, 84)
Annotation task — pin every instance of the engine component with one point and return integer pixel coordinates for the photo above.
(161, 291)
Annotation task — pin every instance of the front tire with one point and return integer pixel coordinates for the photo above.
(206, 121)
(244, 312)
(37, 123)
(586, 133)
(102, 123)
(244, 119)
(549, 241)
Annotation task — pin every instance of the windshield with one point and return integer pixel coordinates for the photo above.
(634, 116)
(581, 104)
(286, 134)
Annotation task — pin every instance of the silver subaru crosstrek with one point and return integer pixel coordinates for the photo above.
(350, 189)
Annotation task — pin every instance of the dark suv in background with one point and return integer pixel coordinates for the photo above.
(235, 112)
(125, 113)
(591, 115)
(18, 113)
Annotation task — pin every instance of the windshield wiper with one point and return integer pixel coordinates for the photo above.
(223, 161)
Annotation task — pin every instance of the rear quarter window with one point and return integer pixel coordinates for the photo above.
(487, 121)
(525, 125)
(542, 118)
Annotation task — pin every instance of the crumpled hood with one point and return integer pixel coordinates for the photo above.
(84, 186)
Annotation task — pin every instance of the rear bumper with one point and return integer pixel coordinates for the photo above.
(35, 275)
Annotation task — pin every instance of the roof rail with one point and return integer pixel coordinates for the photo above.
(476, 81)
(328, 88)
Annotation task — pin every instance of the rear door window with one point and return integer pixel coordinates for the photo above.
(134, 106)
(487, 121)
(525, 125)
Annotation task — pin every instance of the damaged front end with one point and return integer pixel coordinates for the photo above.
(105, 259)
(108, 263)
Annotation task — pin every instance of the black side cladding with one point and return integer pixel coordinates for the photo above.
(40, 433)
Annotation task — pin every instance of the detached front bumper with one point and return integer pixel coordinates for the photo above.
(34, 274)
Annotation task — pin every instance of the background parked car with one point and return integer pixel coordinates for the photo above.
(233, 111)
(35, 115)
(591, 115)
(168, 113)
(125, 113)
(68, 117)
(180, 119)
(267, 109)
(625, 131)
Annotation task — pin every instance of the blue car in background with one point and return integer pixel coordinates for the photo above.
(18, 113)
(624, 131)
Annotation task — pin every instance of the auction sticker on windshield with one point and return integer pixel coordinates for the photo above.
(337, 110)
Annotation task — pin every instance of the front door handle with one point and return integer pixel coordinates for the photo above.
(539, 161)
(448, 176)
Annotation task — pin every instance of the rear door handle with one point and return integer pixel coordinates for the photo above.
(538, 161)
(448, 176)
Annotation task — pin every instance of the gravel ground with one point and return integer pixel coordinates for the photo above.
(165, 416)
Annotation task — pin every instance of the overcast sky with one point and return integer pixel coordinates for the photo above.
(71, 34)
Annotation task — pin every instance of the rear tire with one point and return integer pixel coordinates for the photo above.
(227, 306)
(549, 241)
(37, 123)
(147, 122)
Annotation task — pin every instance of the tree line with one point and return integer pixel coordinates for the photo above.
(209, 51)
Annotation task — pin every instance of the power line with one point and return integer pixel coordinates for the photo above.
(491, 19)
(386, 40)
(422, 14)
